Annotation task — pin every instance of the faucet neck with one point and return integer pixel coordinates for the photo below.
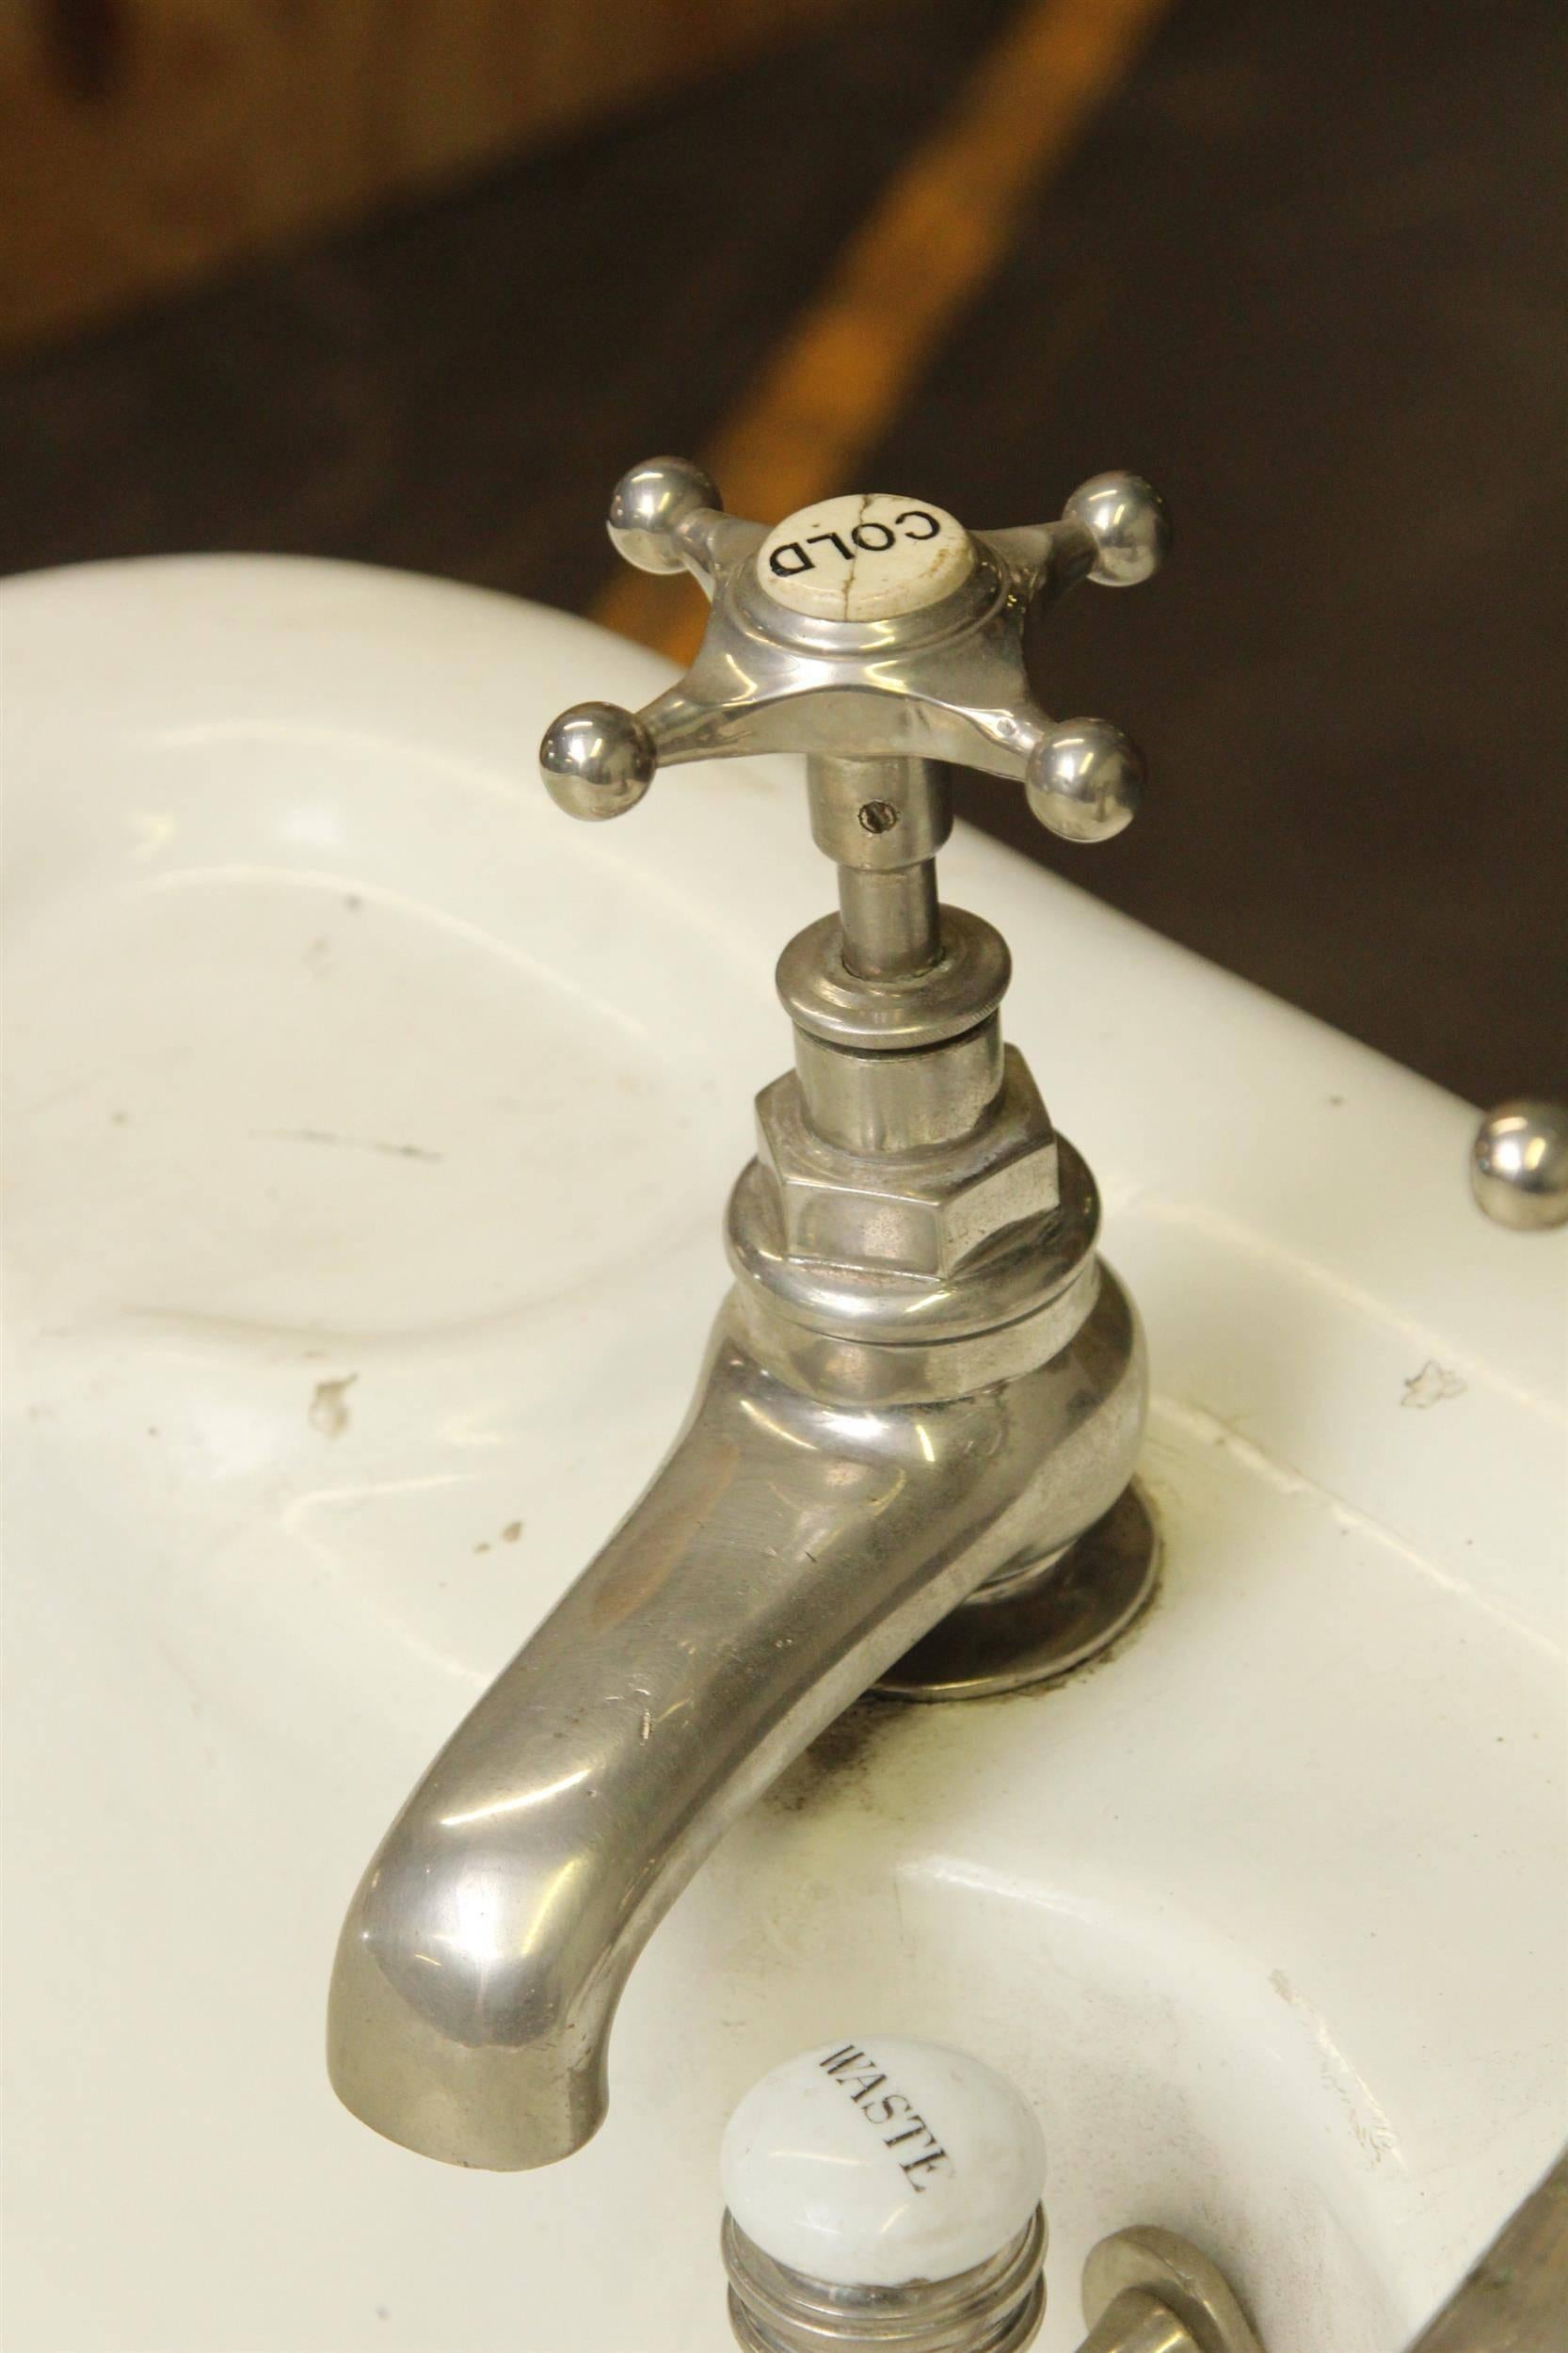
(912, 1226)
(882, 820)
(898, 1048)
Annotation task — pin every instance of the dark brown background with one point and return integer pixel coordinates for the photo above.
(1305, 270)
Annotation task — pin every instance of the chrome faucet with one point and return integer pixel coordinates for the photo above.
(909, 1461)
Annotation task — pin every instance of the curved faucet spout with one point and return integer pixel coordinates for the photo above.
(785, 1555)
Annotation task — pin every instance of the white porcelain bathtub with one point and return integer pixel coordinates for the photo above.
(370, 1131)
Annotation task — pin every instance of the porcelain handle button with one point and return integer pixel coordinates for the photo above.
(874, 2161)
(865, 558)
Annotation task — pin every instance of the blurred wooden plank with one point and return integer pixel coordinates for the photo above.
(146, 144)
(848, 364)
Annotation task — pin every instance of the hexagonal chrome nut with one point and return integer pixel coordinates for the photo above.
(921, 1212)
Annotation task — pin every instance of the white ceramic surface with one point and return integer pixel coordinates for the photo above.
(865, 558)
(370, 1128)
(873, 2160)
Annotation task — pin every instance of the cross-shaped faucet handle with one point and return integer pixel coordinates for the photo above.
(867, 627)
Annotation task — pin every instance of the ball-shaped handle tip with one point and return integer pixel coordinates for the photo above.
(1085, 780)
(597, 761)
(1130, 524)
(1519, 1164)
(649, 503)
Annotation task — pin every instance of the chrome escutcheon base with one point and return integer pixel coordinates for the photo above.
(1037, 1628)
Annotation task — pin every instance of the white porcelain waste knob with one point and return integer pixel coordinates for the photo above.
(873, 2162)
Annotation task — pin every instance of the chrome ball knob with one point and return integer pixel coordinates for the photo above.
(597, 761)
(648, 505)
(1519, 1164)
(1130, 524)
(1085, 780)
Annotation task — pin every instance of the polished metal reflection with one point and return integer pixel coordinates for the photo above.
(946, 683)
(883, 821)
(923, 1378)
(976, 1157)
(1145, 2291)
(1036, 1623)
(788, 1552)
(1150, 2291)
(996, 2307)
(1519, 1164)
